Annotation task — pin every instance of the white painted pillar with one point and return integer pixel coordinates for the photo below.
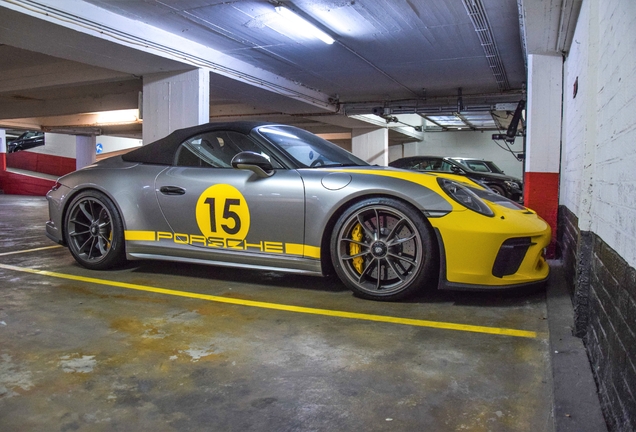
(396, 152)
(173, 101)
(3, 150)
(85, 150)
(371, 145)
(543, 138)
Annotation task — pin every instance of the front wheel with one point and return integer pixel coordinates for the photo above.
(498, 190)
(94, 231)
(382, 249)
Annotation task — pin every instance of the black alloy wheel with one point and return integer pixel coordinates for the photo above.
(94, 231)
(382, 249)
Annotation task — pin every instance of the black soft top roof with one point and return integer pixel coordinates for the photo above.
(162, 151)
(402, 161)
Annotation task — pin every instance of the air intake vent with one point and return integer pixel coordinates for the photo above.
(510, 256)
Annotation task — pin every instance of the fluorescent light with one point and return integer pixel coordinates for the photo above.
(116, 117)
(303, 26)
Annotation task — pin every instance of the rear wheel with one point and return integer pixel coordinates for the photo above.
(94, 231)
(382, 249)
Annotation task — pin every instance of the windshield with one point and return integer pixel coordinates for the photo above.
(494, 168)
(307, 149)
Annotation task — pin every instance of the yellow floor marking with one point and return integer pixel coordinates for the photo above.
(282, 307)
(30, 250)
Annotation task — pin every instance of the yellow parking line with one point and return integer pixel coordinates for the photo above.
(282, 307)
(30, 250)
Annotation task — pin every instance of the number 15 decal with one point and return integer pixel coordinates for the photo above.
(223, 212)
(227, 214)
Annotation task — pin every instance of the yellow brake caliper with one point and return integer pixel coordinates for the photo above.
(354, 248)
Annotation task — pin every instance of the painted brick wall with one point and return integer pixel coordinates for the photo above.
(614, 213)
(610, 340)
(605, 296)
(575, 121)
(597, 218)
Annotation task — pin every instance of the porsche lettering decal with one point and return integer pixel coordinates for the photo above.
(225, 243)
(221, 242)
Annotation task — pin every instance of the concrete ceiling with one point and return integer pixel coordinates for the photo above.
(67, 57)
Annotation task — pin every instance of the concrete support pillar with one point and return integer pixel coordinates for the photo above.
(3, 150)
(173, 101)
(371, 145)
(85, 150)
(543, 138)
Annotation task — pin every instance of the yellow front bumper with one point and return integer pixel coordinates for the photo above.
(470, 243)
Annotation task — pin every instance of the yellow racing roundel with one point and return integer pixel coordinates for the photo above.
(222, 212)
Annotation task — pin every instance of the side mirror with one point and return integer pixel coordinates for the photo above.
(257, 163)
(457, 170)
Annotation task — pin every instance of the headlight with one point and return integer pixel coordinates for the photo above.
(513, 184)
(464, 196)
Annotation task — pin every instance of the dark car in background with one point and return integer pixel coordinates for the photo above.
(502, 184)
(479, 165)
(27, 140)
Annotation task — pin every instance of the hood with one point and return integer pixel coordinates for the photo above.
(493, 176)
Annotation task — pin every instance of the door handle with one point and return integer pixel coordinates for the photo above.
(172, 190)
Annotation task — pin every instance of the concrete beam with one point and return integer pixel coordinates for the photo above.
(70, 100)
(34, 108)
(547, 26)
(92, 35)
(54, 75)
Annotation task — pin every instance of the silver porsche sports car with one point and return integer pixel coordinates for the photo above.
(268, 196)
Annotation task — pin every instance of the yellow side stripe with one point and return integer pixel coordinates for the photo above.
(312, 251)
(294, 249)
(139, 235)
(282, 307)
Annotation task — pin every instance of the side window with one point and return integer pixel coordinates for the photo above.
(216, 150)
(411, 165)
(419, 165)
(446, 167)
(428, 165)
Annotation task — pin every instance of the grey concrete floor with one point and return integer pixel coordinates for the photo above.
(79, 354)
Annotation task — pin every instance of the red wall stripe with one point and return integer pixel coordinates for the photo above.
(19, 184)
(541, 194)
(42, 163)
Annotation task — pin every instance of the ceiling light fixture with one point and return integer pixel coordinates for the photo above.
(116, 117)
(303, 26)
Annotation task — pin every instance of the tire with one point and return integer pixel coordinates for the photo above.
(389, 263)
(498, 190)
(94, 231)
